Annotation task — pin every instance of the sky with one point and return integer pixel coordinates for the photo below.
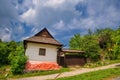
(21, 19)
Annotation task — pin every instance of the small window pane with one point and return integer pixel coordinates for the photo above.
(42, 51)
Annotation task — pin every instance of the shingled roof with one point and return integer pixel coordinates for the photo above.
(43, 37)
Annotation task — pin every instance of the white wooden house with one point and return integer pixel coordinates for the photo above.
(42, 47)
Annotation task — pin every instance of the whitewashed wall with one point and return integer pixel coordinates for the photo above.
(32, 51)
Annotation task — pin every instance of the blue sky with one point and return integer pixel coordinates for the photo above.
(20, 19)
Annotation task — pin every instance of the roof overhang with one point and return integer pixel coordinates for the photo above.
(72, 51)
(25, 41)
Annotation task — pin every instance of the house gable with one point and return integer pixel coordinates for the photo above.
(44, 33)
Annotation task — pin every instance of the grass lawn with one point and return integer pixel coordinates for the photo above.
(30, 74)
(101, 63)
(39, 73)
(97, 75)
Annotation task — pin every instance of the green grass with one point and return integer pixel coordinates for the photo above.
(100, 63)
(39, 73)
(3, 72)
(96, 75)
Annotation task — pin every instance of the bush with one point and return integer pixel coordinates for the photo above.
(116, 52)
(17, 60)
(18, 64)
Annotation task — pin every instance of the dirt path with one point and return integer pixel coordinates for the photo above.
(71, 73)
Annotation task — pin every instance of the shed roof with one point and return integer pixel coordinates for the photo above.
(43, 37)
(72, 51)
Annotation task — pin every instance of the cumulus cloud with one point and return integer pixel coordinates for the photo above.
(28, 16)
(75, 14)
(54, 3)
(7, 13)
(59, 16)
(50, 12)
(11, 28)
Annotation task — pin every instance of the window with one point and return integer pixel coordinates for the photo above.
(42, 51)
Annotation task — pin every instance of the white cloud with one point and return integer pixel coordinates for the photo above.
(54, 3)
(28, 15)
(58, 16)
(23, 38)
(49, 12)
(5, 34)
(59, 25)
(6, 37)
(62, 15)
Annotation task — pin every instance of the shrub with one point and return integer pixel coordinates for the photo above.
(18, 64)
(17, 60)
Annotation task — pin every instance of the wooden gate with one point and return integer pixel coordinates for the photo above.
(68, 57)
(72, 60)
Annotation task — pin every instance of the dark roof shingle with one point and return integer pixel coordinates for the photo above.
(43, 40)
(43, 37)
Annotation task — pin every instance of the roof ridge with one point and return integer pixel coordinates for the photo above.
(41, 32)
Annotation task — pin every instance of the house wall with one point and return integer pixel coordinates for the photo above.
(32, 51)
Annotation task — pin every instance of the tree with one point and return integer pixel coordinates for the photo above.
(116, 46)
(87, 43)
(3, 53)
(76, 42)
(13, 53)
(91, 48)
(105, 42)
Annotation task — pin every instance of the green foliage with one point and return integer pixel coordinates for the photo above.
(18, 60)
(17, 51)
(5, 49)
(91, 47)
(116, 47)
(103, 44)
(18, 64)
(105, 40)
(87, 43)
(76, 42)
(3, 53)
(13, 53)
(116, 52)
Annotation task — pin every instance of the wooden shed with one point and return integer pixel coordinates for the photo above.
(69, 57)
